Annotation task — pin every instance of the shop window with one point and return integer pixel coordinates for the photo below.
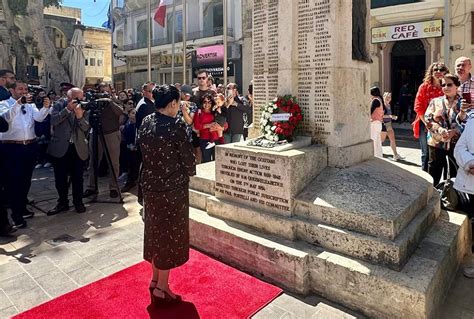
(92, 62)
(87, 62)
(99, 62)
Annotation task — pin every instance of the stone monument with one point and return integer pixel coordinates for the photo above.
(321, 214)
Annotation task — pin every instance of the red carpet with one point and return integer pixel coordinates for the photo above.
(210, 289)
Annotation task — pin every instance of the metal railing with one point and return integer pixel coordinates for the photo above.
(179, 37)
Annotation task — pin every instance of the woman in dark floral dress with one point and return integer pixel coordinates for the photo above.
(168, 161)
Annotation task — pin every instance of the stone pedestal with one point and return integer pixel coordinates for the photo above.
(327, 217)
(264, 179)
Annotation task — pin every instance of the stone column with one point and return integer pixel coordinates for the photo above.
(304, 48)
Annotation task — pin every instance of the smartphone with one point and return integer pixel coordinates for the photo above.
(467, 96)
(23, 100)
(230, 93)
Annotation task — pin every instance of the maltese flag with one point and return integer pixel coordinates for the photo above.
(160, 14)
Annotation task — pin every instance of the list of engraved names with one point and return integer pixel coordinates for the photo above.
(252, 179)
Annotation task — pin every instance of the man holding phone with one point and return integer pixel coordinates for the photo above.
(20, 147)
(466, 90)
(237, 106)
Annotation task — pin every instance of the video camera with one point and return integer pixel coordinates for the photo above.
(94, 105)
(35, 90)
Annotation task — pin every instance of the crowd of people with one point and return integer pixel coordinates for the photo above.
(444, 106)
(43, 129)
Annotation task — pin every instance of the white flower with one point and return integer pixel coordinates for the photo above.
(270, 109)
(275, 138)
(267, 128)
(273, 128)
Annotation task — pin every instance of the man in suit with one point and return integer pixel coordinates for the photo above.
(69, 149)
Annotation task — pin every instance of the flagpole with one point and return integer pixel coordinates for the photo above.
(148, 10)
(184, 40)
(173, 17)
(224, 8)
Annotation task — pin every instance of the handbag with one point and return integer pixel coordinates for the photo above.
(450, 198)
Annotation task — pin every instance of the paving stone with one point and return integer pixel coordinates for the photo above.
(29, 298)
(129, 257)
(4, 300)
(17, 284)
(8, 312)
(56, 283)
(272, 312)
(10, 269)
(112, 269)
(85, 275)
(39, 266)
(100, 260)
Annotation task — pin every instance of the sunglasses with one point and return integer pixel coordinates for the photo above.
(439, 70)
(129, 103)
(206, 102)
(202, 77)
(447, 84)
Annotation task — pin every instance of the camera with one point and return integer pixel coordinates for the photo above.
(94, 105)
(35, 90)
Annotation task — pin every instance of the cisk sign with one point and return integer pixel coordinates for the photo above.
(409, 31)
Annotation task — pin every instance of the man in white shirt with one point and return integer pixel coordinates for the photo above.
(20, 148)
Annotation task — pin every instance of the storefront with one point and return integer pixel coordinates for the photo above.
(404, 52)
(211, 58)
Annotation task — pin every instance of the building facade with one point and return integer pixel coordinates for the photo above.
(98, 55)
(204, 45)
(409, 35)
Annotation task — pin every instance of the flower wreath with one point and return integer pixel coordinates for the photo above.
(280, 130)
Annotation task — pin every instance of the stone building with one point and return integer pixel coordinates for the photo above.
(409, 35)
(204, 42)
(60, 24)
(98, 54)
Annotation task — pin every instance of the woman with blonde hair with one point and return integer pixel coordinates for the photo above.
(428, 90)
(387, 129)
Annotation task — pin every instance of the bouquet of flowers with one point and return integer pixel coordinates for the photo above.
(280, 118)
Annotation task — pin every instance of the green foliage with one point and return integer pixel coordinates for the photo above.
(18, 7)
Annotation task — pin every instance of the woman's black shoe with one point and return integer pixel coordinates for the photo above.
(20, 224)
(28, 214)
(8, 230)
(57, 209)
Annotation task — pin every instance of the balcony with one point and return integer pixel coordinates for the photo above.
(179, 38)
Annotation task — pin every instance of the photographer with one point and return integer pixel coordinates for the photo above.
(237, 106)
(20, 148)
(109, 114)
(69, 149)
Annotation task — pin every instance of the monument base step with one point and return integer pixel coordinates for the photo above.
(377, 291)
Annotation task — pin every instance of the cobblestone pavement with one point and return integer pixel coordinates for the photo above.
(57, 254)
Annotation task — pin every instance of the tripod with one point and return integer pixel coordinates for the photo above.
(97, 134)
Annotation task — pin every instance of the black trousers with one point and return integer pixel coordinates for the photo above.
(69, 165)
(18, 164)
(438, 162)
(4, 223)
(134, 161)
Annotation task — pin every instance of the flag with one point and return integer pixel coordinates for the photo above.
(109, 24)
(160, 14)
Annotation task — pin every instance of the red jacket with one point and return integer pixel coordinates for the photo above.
(426, 92)
(200, 119)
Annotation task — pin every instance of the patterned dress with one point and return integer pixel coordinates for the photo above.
(168, 161)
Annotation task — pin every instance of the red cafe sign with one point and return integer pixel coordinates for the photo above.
(409, 31)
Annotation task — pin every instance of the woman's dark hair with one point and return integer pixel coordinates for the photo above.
(164, 94)
(453, 78)
(208, 96)
(375, 91)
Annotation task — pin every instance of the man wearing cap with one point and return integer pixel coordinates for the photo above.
(20, 147)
